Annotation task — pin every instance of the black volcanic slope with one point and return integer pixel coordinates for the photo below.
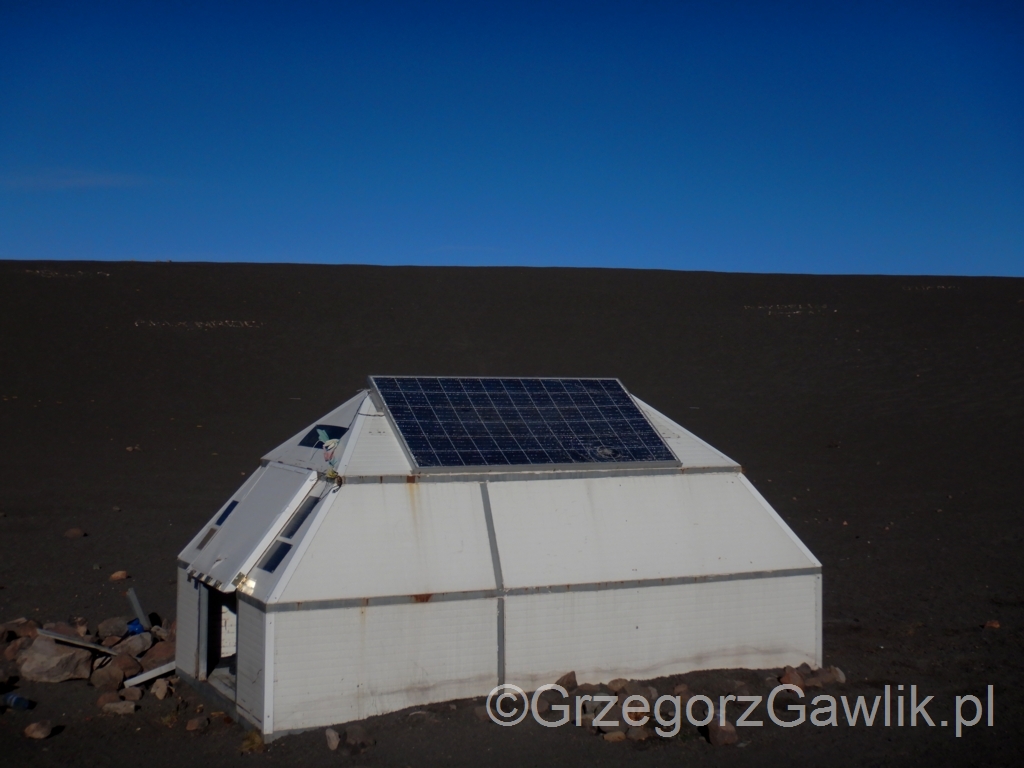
(883, 417)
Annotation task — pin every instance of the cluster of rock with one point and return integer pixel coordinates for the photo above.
(29, 655)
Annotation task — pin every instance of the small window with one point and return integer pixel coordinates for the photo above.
(299, 517)
(320, 434)
(227, 511)
(207, 537)
(274, 557)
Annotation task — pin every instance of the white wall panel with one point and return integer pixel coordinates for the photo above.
(187, 638)
(338, 665)
(396, 539)
(654, 631)
(251, 660)
(630, 528)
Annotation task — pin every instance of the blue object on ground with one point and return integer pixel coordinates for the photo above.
(135, 627)
(14, 701)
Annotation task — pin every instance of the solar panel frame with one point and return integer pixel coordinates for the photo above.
(501, 424)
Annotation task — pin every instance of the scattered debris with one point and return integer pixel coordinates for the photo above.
(333, 739)
(197, 724)
(253, 742)
(617, 684)
(161, 689)
(991, 624)
(39, 730)
(137, 607)
(615, 736)
(157, 672)
(118, 576)
(74, 533)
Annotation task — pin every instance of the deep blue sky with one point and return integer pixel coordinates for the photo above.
(764, 137)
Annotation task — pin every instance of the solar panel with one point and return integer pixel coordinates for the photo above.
(495, 422)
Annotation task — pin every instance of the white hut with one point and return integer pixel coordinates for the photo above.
(430, 538)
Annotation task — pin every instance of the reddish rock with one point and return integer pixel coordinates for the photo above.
(197, 724)
(107, 678)
(132, 694)
(40, 730)
(81, 625)
(992, 624)
(615, 736)
(722, 735)
(15, 647)
(159, 654)
(161, 689)
(567, 681)
(119, 708)
(118, 625)
(62, 629)
(118, 576)
(791, 677)
(74, 533)
(641, 733)
(23, 628)
(46, 661)
(127, 664)
(110, 697)
(136, 645)
(617, 684)
(110, 642)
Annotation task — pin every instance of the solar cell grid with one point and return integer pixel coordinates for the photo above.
(453, 422)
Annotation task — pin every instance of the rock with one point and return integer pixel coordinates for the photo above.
(791, 677)
(481, 714)
(81, 625)
(837, 673)
(617, 684)
(992, 624)
(333, 739)
(15, 647)
(116, 626)
(39, 730)
(641, 733)
(813, 682)
(23, 628)
(567, 681)
(615, 736)
(722, 735)
(825, 676)
(118, 576)
(584, 688)
(172, 631)
(159, 654)
(197, 724)
(161, 689)
(110, 642)
(542, 706)
(45, 661)
(132, 694)
(74, 533)
(126, 664)
(357, 738)
(116, 508)
(119, 708)
(805, 670)
(159, 632)
(110, 697)
(136, 645)
(62, 629)
(682, 690)
(107, 678)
